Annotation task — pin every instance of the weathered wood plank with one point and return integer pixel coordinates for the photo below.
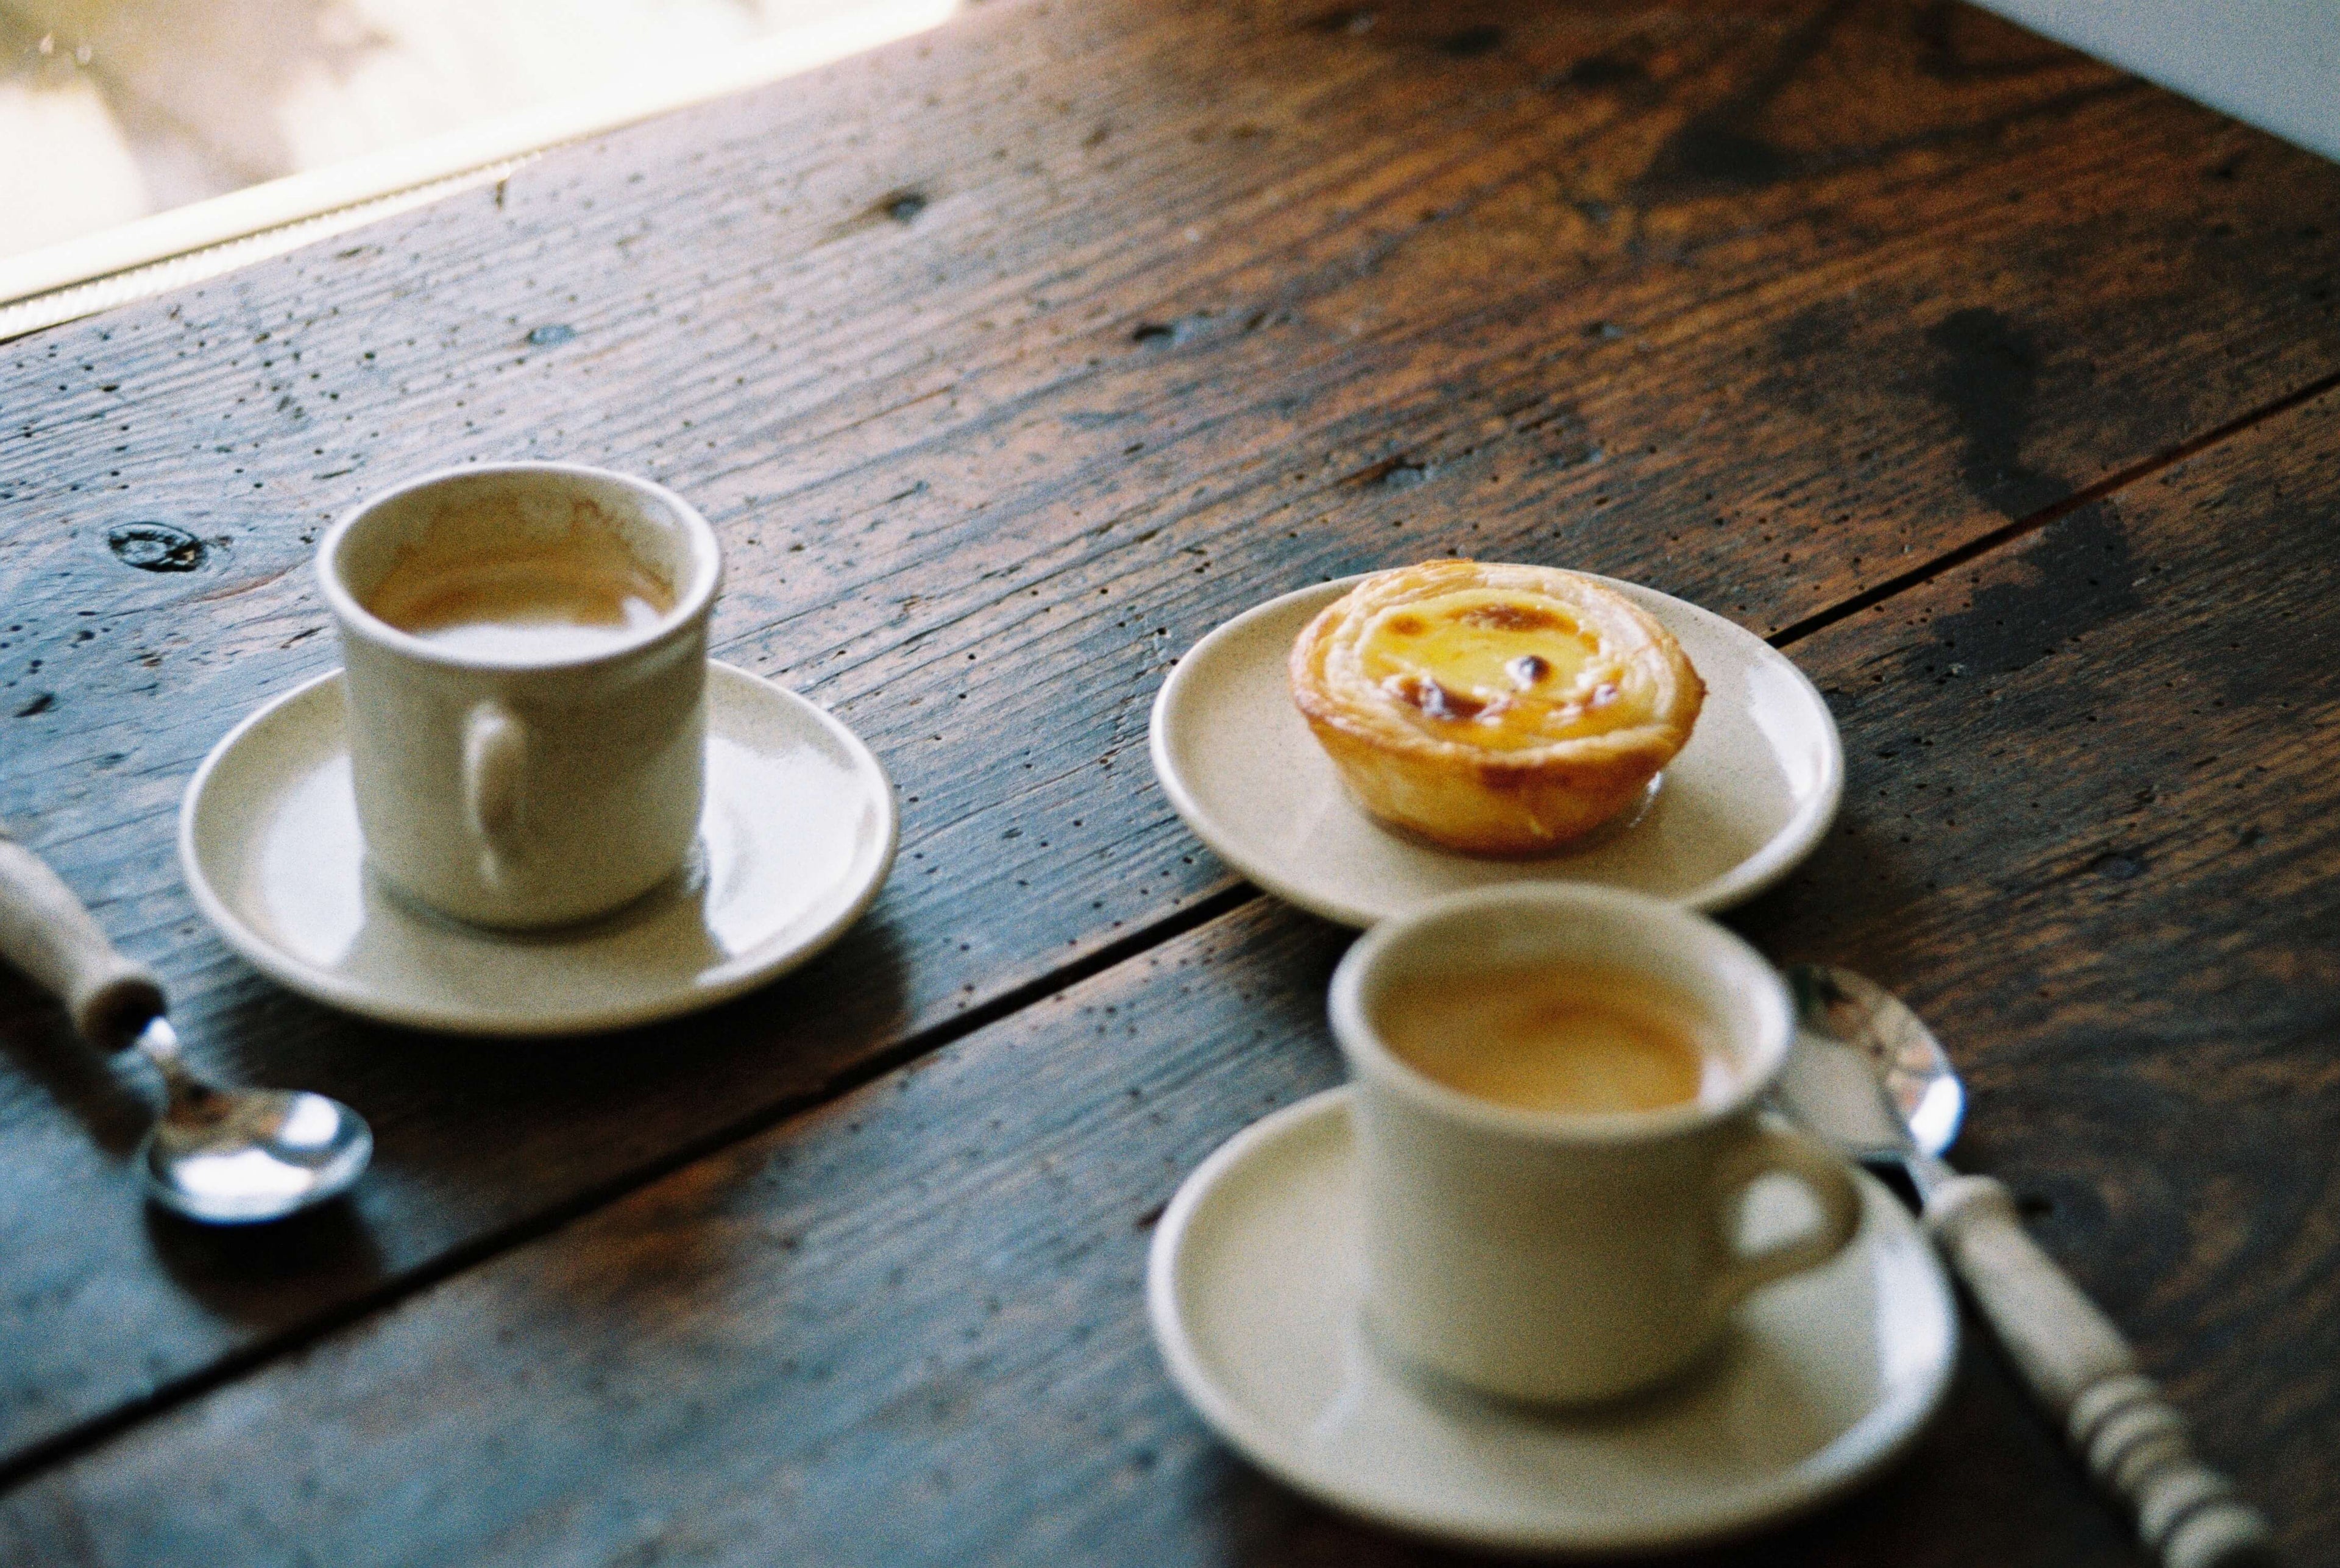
(1009, 362)
(2098, 853)
(907, 1328)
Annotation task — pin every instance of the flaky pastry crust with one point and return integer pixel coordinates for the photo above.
(1498, 709)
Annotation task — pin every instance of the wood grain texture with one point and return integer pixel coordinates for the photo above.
(907, 1328)
(2090, 832)
(1008, 361)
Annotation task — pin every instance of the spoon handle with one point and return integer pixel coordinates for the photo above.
(45, 932)
(2085, 1374)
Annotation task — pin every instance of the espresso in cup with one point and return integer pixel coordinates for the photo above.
(1567, 1039)
(571, 598)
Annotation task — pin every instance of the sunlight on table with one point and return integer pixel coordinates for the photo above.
(133, 107)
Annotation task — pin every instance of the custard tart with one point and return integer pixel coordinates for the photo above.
(1498, 709)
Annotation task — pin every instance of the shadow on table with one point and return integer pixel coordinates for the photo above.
(37, 1040)
(474, 1134)
(247, 1272)
(1988, 1482)
(475, 1139)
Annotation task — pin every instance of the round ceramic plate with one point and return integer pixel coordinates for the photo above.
(1253, 1286)
(1747, 798)
(798, 835)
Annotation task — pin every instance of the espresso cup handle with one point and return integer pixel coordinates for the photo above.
(495, 756)
(1769, 1150)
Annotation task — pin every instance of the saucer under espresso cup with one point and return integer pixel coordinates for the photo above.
(1531, 1281)
(1750, 794)
(525, 647)
(1254, 1289)
(795, 839)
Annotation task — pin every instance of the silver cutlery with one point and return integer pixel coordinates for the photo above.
(223, 1156)
(1868, 1076)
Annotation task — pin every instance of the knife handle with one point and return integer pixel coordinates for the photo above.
(2084, 1372)
(46, 932)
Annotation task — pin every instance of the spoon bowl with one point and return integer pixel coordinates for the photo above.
(265, 1178)
(1854, 1011)
(245, 1156)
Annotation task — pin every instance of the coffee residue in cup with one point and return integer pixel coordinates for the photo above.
(556, 602)
(1566, 1040)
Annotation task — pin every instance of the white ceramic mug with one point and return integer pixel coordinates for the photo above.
(1556, 1258)
(519, 792)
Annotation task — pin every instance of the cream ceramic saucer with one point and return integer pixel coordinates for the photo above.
(1747, 798)
(1252, 1289)
(799, 834)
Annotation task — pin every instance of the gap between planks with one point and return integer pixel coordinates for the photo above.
(2023, 527)
(76, 1440)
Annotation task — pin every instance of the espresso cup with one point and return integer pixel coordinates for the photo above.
(525, 651)
(1559, 1256)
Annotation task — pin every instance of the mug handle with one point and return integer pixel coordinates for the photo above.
(495, 756)
(1822, 1173)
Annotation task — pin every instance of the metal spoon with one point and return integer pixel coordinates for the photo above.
(1868, 1076)
(219, 1155)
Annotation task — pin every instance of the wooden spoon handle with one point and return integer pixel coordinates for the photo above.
(2085, 1374)
(45, 932)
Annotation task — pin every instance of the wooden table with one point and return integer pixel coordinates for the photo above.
(1997, 387)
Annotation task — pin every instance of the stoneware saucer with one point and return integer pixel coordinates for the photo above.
(799, 834)
(1746, 799)
(1254, 1288)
